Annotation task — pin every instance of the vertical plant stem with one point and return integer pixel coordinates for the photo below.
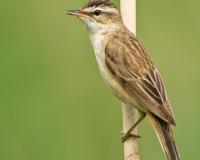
(128, 11)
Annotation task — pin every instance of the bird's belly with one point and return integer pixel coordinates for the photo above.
(109, 79)
(117, 89)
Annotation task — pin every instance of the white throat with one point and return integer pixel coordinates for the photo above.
(97, 39)
(96, 33)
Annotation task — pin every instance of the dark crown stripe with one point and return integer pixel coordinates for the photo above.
(97, 3)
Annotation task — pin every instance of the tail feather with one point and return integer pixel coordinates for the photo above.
(166, 138)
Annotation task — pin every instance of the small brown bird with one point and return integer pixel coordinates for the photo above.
(128, 70)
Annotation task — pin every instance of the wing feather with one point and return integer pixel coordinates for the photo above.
(132, 67)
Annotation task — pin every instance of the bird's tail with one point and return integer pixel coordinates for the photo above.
(166, 138)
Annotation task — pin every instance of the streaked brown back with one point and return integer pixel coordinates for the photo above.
(128, 61)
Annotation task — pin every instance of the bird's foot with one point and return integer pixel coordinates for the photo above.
(126, 135)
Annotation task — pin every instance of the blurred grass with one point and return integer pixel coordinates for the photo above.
(53, 101)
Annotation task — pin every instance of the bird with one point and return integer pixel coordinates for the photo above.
(128, 70)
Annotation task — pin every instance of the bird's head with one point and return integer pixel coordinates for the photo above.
(97, 15)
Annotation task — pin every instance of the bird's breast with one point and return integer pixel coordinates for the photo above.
(115, 87)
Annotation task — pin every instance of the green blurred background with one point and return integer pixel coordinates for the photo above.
(54, 104)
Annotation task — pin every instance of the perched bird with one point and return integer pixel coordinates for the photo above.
(128, 70)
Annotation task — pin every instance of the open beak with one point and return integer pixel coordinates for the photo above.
(76, 13)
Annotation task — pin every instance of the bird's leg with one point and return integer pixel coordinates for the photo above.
(128, 133)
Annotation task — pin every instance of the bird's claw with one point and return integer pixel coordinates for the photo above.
(126, 135)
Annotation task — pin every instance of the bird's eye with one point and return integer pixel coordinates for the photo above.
(97, 12)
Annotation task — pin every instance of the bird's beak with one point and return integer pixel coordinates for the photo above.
(76, 13)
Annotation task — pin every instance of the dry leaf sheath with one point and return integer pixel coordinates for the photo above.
(128, 70)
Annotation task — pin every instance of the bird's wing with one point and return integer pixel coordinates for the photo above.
(132, 67)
